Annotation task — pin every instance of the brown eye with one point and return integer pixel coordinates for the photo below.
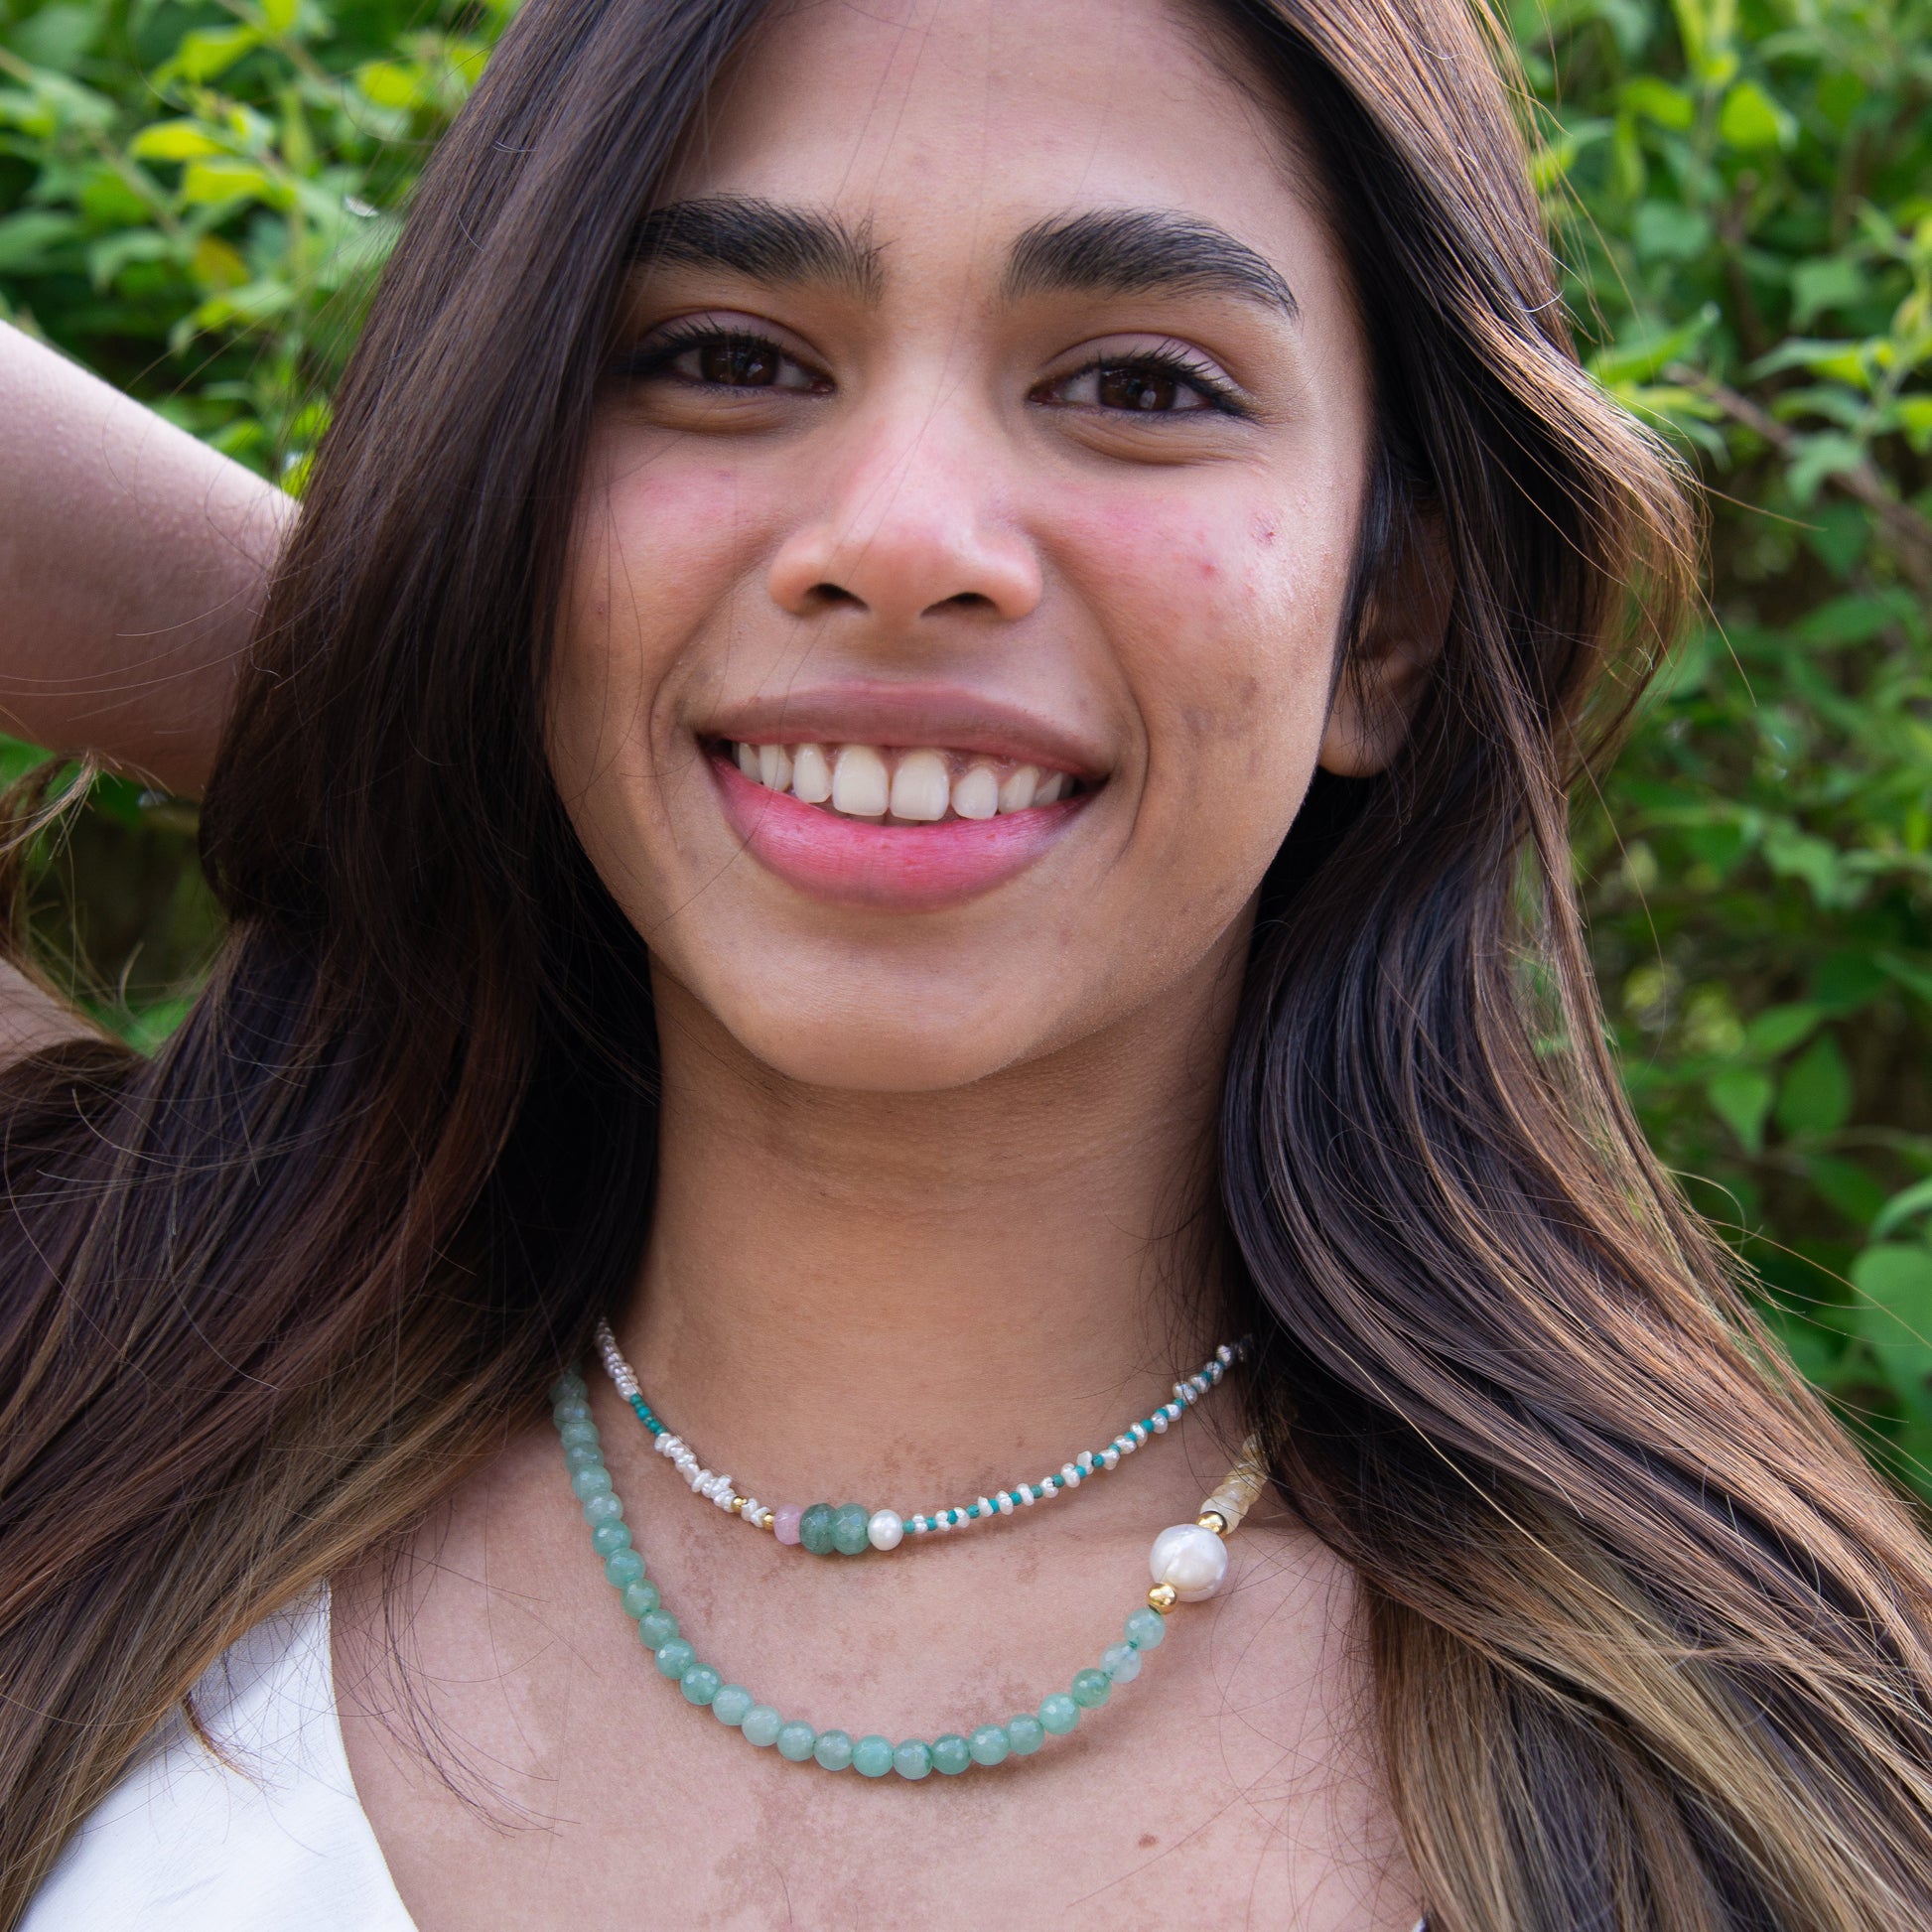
(1152, 386)
(738, 365)
(1124, 387)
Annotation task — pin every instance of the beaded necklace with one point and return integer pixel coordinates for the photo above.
(1188, 1563)
(850, 1529)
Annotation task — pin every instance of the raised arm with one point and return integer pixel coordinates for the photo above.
(132, 563)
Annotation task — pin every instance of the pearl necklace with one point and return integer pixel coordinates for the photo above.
(1188, 1563)
(850, 1529)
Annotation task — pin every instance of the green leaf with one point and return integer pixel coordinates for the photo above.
(1830, 283)
(1657, 100)
(1905, 1206)
(1895, 1314)
(226, 177)
(1740, 1097)
(1777, 1029)
(28, 238)
(1664, 231)
(1815, 1097)
(1751, 119)
(176, 141)
(1826, 454)
(209, 52)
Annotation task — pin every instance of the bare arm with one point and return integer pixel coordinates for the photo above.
(132, 563)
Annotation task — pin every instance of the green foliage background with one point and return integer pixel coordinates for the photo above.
(194, 198)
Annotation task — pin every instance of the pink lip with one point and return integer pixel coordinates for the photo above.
(896, 868)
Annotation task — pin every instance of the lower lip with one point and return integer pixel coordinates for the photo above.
(899, 868)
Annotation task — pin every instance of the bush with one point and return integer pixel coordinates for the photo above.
(194, 199)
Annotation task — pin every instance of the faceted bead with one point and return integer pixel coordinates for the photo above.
(1091, 1689)
(912, 1759)
(1146, 1628)
(784, 1523)
(675, 1658)
(656, 1628)
(730, 1704)
(762, 1724)
(850, 1522)
(700, 1683)
(795, 1742)
(1059, 1714)
(1025, 1735)
(872, 1756)
(815, 1529)
(582, 1455)
(585, 1483)
(608, 1537)
(602, 1508)
(886, 1530)
(833, 1751)
(951, 1755)
(639, 1600)
(1121, 1662)
(623, 1568)
(567, 1387)
(989, 1745)
(574, 1413)
(1193, 1559)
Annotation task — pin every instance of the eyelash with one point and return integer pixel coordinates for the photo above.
(640, 364)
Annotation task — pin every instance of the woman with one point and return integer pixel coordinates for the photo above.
(932, 777)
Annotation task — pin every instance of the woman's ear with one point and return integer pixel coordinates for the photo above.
(1399, 638)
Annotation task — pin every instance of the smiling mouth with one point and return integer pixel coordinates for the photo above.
(889, 786)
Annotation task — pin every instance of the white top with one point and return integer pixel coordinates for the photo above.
(273, 1840)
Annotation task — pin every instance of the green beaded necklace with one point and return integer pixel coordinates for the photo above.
(1188, 1563)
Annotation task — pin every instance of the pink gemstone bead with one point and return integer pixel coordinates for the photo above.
(785, 1523)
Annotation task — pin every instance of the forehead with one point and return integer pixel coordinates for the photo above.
(948, 126)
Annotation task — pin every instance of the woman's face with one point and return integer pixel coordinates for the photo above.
(960, 566)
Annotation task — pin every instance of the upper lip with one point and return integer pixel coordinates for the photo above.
(904, 716)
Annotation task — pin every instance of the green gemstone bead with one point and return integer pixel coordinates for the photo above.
(912, 1759)
(951, 1755)
(1026, 1733)
(585, 1483)
(639, 1600)
(571, 1413)
(1091, 1689)
(578, 1436)
(730, 1704)
(700, 1683)
(656, 1628)
(762, 1724)
(849, 1525)
(795, 1742)
(675, 1658)
(833, 1751)
(1059, 1714)
(566, 1388)
(872, 1756)
(815, 1529)
(1146, 1628)
(989, 1745)
(608, 1537)
(623, 1568)
(582, 1455)
(602, 1508)
(1121, 1662)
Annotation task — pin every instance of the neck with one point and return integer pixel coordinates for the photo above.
(843, 1287)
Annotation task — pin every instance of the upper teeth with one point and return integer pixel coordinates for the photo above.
(860, 781)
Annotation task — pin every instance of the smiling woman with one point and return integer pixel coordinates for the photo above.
(908, 771)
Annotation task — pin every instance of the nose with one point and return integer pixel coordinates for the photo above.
(909, 527)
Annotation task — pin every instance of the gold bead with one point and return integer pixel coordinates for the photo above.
(737, 1505)
(1212, 1519)
(1163, 1597)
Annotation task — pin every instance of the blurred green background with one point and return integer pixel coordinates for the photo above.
(194, 199)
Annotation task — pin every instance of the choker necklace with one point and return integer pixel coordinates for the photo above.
(1188, 1563)
(850, 1529)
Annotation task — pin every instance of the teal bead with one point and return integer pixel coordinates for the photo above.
(912, 1759)
(567, 1387)
(700, 1683)
(1025, 1734)
(582, 1455)
(850, 1526)
(585, 1483)
(1146, 1628)
(872, 1758)
(602, 1508)
(951, 1755)
(833, 1751)
(608, 1537)
(762, 1724)
(572, 1413)
(815, 1530)
(1121, 1662)
(730, 1704)
(1091, 1689)
(1059, 1714)
(989, 1745)
(578, 1436)
(622, 1567)
(795, 1742)
(675, 1658)
(656, 1628)
(639, 1600)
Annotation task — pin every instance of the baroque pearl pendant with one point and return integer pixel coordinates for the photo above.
(1193, 1561)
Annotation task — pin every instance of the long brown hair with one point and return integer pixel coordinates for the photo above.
(1652, 1646)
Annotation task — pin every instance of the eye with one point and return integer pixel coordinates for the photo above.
(719, 359)
(1163, 383)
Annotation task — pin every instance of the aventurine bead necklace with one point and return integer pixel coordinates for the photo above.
(1188, 1563)
(850, 1529)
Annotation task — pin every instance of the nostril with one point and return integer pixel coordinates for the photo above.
(963, 601)
(825, 597)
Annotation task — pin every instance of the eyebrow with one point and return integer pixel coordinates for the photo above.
(762, 241)
(1124, 251)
